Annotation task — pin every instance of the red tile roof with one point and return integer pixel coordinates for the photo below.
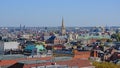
(7, 62)
(72, 62)
(75, 62)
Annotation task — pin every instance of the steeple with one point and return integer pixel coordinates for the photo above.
(63, 31)
(63, 23)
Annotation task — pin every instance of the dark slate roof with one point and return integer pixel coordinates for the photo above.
(52, 38)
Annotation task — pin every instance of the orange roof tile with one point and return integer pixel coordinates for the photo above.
(7, 62)
(72, 62)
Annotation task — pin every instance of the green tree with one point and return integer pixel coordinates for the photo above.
(116, 36)
(105, 65)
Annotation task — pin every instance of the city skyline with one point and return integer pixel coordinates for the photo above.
(50, 13)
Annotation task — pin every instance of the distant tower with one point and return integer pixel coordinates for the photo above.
(63, 30)
(24, 27)
(20, 27)
(103, 29)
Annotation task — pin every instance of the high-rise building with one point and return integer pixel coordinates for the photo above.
(63, 30)
(20, 27)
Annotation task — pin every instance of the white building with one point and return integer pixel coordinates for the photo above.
(11, 45)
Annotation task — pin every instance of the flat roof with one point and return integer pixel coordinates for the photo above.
(52, 66)
(43, 61)
(32, 61)
(11, 57)
(62, 58)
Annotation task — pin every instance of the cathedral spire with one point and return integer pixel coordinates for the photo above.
(63, 23)
(63, 31)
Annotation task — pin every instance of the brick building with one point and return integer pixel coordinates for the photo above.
(81, 54)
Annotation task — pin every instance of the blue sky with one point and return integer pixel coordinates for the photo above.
(50, 12)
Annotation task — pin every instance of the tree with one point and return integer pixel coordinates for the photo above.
(105, 65)
(116, 36)
(109, 40)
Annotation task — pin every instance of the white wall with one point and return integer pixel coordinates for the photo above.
(11, 45)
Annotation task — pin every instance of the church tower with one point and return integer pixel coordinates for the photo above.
(63, 30)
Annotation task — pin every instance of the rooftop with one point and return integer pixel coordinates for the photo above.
(55, 59)
(6, 61)
(10, 57)
(32, 61)
(94, 37)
